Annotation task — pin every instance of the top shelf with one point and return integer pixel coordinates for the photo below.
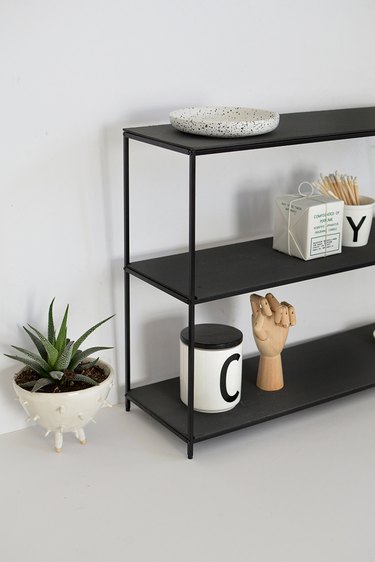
(294, 128)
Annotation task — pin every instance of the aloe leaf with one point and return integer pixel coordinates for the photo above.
(80, 355)
(38, 344)
(50, 349)
(40, 383)
(61, 338)
(33, 356)
(35, 366)
(84, 378)
(51, 326)
(65, 357)
(28, 384)
(89, 364)
(86, 334)
(57, 375)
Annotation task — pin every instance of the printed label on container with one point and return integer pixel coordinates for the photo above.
(321, 245)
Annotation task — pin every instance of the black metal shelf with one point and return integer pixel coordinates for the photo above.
(294, 128)
(315, 372)
(236, 269)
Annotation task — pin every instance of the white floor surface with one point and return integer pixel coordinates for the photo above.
(296, 489)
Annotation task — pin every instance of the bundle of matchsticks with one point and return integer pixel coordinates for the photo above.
(339, 187)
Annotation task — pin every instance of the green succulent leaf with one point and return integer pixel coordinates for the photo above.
(38, 344)
(34, 356)
(80, 355)
(51, 326)
(61, 338)
(57, 375)
(50, 349)
(86, 334)
(35, 366)
(84, 378)
(89, 364)
(65, 357)
(40, 383)
(28, 384)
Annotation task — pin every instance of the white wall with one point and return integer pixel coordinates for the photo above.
(74, 73)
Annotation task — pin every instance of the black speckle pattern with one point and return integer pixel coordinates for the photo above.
(224, 121)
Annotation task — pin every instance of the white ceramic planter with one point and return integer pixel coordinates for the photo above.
(66, 411)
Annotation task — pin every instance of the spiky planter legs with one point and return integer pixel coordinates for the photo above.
(58, 441)
(80, 434)
(64, 412)
(59, 437)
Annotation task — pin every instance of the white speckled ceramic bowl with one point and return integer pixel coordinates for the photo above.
(224, 121)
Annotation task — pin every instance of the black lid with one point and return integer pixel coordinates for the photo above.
(213, 336)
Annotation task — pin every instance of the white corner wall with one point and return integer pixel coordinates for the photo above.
(73, 74)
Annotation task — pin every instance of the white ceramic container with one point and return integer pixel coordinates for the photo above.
(357, 222)
(217, 367)
(66, 411)
(224, 121)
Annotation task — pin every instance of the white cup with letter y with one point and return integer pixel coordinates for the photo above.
(357, 222)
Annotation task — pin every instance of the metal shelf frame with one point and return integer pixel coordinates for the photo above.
(296, 128)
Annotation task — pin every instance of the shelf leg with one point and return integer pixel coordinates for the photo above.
(127, 340)
(190, 413)
(190, 447)
(127, 276)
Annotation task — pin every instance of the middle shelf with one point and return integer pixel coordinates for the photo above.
(235, 269)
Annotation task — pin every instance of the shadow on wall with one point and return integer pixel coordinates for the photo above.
(116, 291)
(160, 352)
(161, 349)
(254, 212)
(149, 116)
(223, 311)
(256, 206)
(110, 148)
(8, 398)
(7, 375)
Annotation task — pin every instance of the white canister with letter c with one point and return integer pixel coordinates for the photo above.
(217, 367)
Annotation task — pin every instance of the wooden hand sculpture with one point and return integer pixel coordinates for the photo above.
(271, 321)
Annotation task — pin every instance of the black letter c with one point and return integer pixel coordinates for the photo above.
(223, 379)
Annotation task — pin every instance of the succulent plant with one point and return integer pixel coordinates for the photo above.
(59, 360)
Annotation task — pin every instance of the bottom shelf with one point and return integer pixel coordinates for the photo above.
(314, 372)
